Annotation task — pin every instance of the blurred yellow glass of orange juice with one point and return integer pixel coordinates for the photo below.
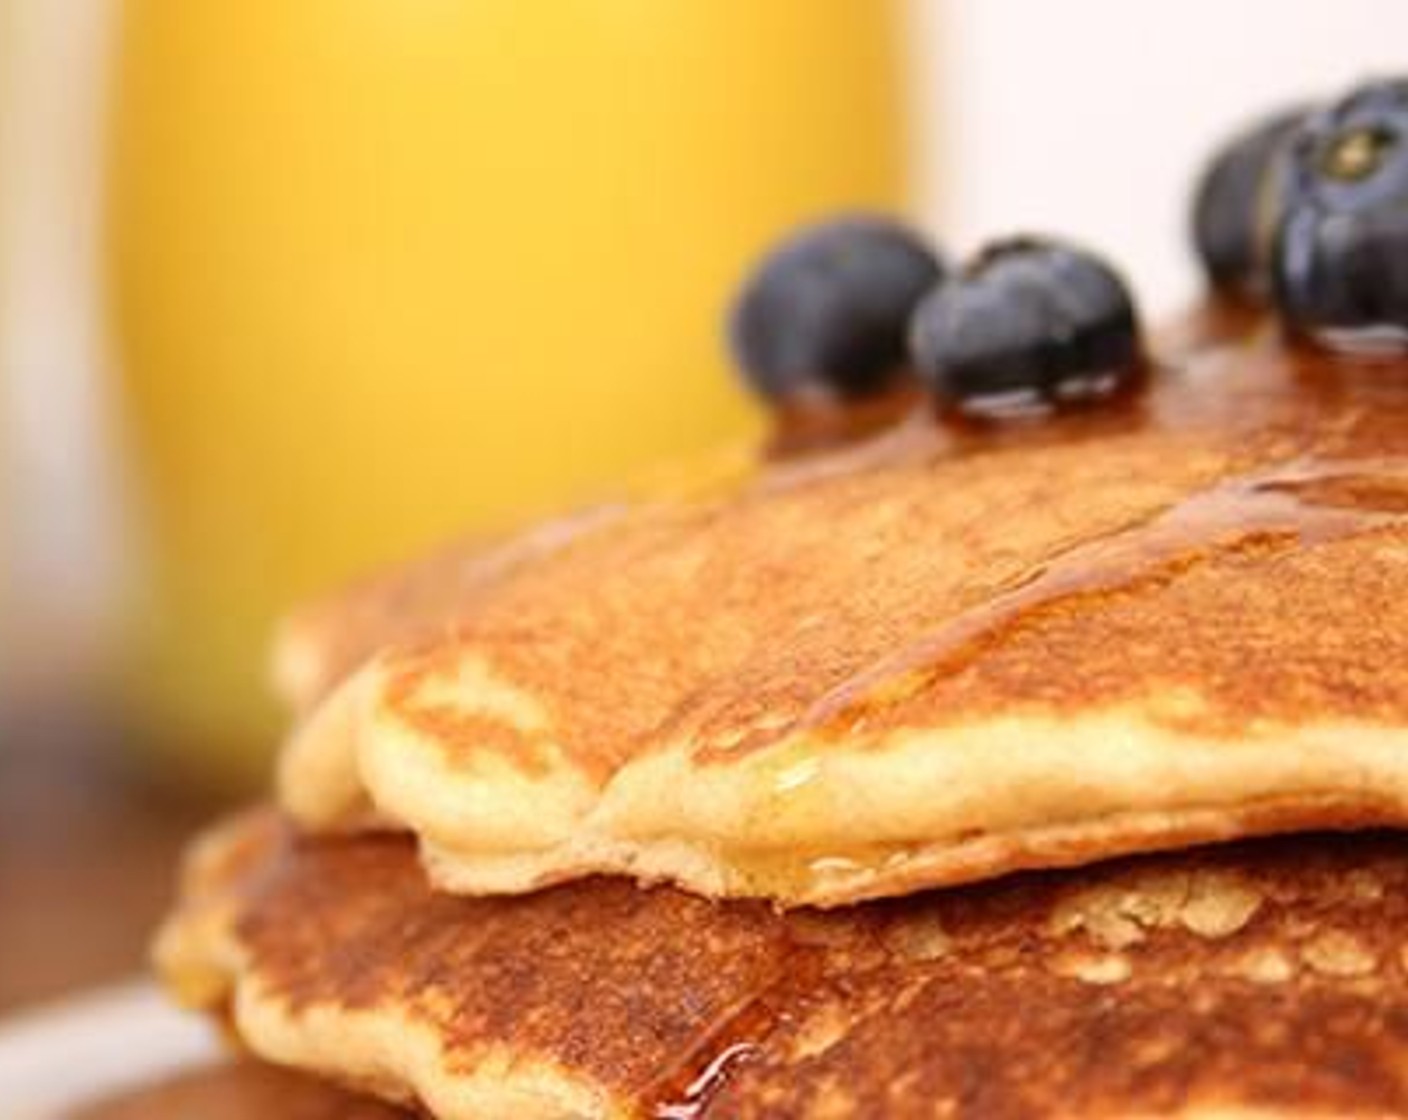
(387, 269)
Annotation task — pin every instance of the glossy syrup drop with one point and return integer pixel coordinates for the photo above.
(739, 1037)
(1302, 503)
(694, 1101)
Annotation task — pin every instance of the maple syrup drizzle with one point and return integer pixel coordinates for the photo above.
(702, 1090)
(688, 1092)
(1304, 502)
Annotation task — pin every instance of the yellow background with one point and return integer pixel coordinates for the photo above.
(385, 269)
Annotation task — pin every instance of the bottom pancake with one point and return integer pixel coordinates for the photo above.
(1268, 978)
(239, 1091)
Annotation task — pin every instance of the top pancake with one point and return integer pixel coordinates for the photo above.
(928, 658)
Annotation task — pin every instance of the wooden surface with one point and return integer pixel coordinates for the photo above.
(88, 847)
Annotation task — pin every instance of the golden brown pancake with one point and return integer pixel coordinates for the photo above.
(929, 658)
(1265, 978)
(322, 642)
(240, 1091)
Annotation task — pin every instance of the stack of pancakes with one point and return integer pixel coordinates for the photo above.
(879, 782)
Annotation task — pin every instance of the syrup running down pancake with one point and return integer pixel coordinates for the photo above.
(934, 656)
(1265, 978)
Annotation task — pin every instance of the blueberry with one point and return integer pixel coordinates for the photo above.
(1234, 204)
(1028, 322)
(1340, 254)
(825, 311)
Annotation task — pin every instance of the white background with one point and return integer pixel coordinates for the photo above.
(1091, 117)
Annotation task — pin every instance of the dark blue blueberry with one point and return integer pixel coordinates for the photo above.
(826, 310)
(1028, 322)
(1340, 254)
(1234, 206)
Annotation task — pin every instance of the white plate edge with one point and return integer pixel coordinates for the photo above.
(58, 1057)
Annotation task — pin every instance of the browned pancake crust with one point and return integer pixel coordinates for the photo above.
(1269, 974)
(598, 976)
(1239, 536)
(240, 1091)
(323, 641)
